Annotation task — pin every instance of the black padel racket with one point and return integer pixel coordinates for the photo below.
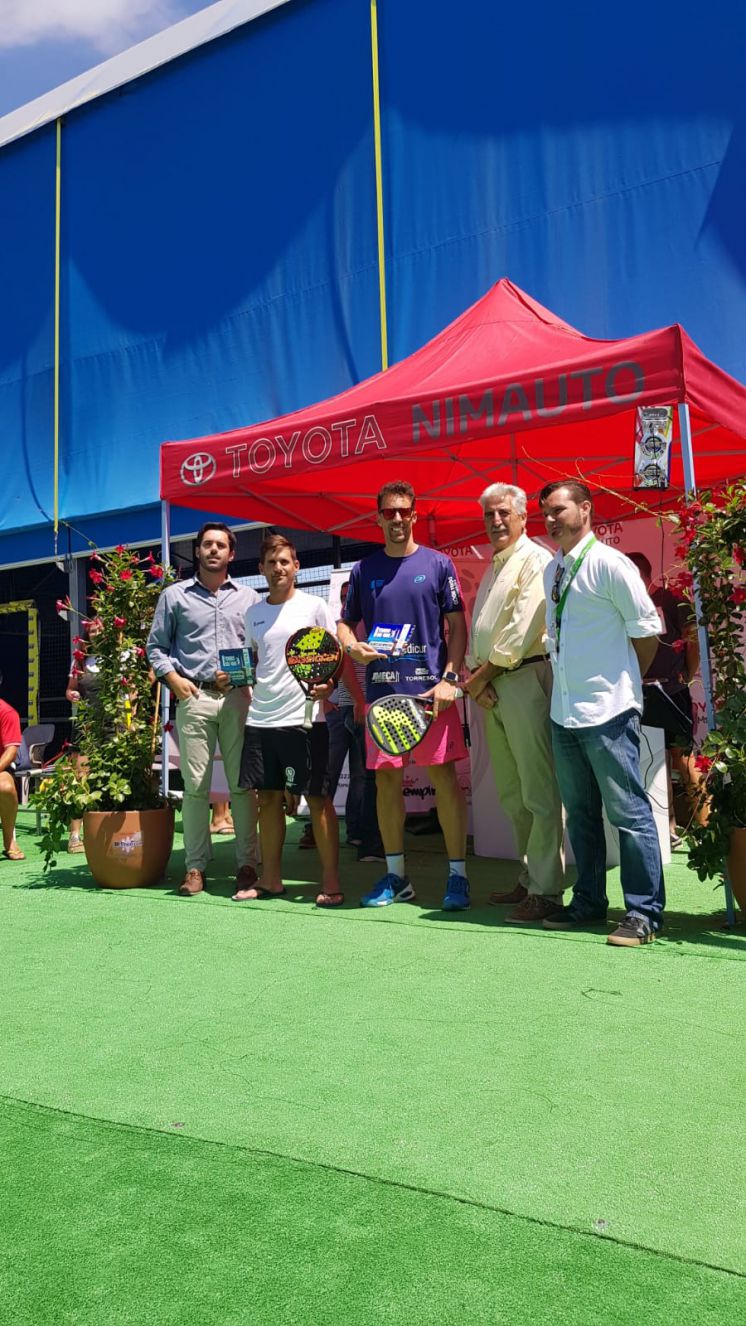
(397, 723)
(314, 656)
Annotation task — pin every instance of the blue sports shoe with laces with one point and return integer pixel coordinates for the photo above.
(457, 894)
(392, 888)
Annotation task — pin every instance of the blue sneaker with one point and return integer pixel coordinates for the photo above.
(392, 888)
(457, 894)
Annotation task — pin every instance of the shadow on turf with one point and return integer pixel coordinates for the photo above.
(682, 928)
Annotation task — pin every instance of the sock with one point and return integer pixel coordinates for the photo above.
(457, 868)
(395, 864)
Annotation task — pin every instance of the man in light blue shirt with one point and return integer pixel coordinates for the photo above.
(194, 619)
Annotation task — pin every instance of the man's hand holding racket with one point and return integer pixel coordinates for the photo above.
(441, 696)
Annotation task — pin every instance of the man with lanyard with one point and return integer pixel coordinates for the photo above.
(512, 683)
(195, 619)
(10, 740)
(602, 633)
(405, 584)
(282, 760)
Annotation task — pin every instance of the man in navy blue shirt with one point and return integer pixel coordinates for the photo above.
(405, 584)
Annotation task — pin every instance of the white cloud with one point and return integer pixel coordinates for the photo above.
(108, 25)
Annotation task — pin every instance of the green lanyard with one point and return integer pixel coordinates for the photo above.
(560, 608)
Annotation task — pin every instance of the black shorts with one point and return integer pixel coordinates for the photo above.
(275, 758)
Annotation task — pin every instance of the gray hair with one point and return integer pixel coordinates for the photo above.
(498, 490)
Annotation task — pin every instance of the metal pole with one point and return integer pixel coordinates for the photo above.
(165, 692)
(690, 479)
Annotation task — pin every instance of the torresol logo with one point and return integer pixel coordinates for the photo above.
(197, 469)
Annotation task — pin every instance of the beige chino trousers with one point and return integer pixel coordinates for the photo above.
(202, 721)
(520, 745)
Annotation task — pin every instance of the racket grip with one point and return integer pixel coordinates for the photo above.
(308, 714)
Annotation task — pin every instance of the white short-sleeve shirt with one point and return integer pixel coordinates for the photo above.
(277, 699)
(596, 672)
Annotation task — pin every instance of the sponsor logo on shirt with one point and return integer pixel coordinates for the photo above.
(376, 584)
(419, 579)
(289, 776)
(385, 676)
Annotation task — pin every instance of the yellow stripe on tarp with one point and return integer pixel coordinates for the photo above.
(57, 228)
(379, 182)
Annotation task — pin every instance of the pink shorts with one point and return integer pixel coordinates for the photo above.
(442, 743)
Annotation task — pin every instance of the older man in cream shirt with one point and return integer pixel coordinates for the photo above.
(512, 681)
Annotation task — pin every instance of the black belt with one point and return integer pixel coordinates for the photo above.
(535, 658)
(206, 686)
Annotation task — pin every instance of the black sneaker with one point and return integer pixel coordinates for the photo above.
(633, 931)
(566, 919)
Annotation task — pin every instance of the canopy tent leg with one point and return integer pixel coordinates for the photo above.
(687, 456)
(165, 692)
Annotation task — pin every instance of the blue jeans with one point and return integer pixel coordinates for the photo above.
(600, 767)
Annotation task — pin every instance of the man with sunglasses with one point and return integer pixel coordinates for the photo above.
(602, 633)
(408, 585)
(512, 683)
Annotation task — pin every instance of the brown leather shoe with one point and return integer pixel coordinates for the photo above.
(533, 910)
(516, 894)
(193, 882)
(245, 878)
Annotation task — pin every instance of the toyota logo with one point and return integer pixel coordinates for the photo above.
(198, 469)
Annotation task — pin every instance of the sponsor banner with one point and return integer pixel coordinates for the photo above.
(653, 434)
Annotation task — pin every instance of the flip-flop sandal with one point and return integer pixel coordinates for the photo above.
(260, 894)
(14, 854)
(330, 899)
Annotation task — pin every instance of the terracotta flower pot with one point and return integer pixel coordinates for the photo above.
(127, 849)
(737, 866)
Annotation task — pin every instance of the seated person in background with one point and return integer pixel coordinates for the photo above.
(674, 666)
(10, 740)
(282, 760)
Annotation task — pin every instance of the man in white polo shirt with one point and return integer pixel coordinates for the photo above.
(602, 634)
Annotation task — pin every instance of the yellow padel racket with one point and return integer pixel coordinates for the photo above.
(314, 656)
(397, 723)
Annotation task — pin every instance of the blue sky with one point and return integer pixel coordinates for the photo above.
(45, 42)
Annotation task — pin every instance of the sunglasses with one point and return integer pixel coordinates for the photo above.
(557, 582)
(390, 512)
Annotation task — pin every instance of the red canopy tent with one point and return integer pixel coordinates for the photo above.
(507, 392)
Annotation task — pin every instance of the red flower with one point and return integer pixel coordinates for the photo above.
(79, 655)
(96, 557)
(125, 575)
(110, 588)
(156, 572)
(96, 577)
(63, 606)
(678, 646)
(738, 595)
(124, 681)
(140, 652)
(703, 763)
(78, 639)
(150, 558)
(739, 554)
(120, 622)
(119, 548)
(168, 727)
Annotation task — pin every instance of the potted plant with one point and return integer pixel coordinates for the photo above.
(110, 784)
(713, 549)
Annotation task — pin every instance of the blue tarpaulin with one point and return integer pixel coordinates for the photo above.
(219, 241)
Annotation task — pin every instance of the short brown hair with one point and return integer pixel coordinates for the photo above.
(215, 524)
(398, 488)
(273, 543)
(579, 492)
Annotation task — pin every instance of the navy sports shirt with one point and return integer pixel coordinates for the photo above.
(420, 589)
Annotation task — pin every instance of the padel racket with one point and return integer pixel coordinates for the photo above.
(314, 656)
(397, 723)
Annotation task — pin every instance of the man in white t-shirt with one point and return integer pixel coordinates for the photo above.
(281, 759)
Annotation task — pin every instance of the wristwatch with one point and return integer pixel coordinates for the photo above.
(450, 676)
(348, 649)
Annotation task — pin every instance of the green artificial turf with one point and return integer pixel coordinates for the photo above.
(382, 1116)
